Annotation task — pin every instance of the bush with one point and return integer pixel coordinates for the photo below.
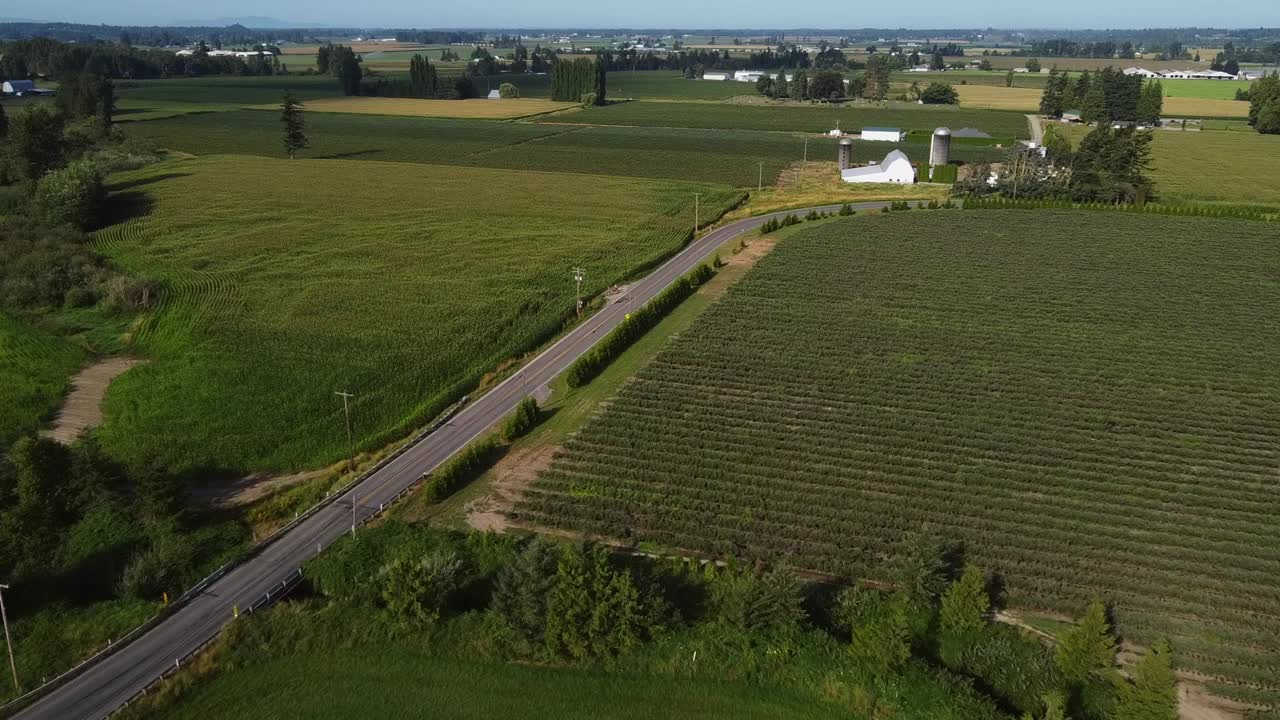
(416, 590)
(157, 569)
(127, 294)
(845, 209)
(40, 266)
(595, 360)
(507, 91)
(588, 98)
(71, 196)
(522, 420)
(939, 94)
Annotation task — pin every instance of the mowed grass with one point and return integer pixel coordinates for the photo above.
(1028, 100)
(1089, 401)
(35, 369)
(1217, 165)
(815, 119)
(1208, 89)
(483, 109)
(731, 157)
(404, 284)
(391, 683)
(228, 89)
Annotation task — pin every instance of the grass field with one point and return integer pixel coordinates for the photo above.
(731, 157)
(412, 107)
(1207, 89)
(35, 368)
(228, 89)
(816, 119)
(1223, 166)
(1028, 100)
(1087, 400)
(389, 682)
(287, 280)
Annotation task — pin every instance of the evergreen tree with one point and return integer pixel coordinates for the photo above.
(780, 88)
(4, 123)
(799, 88)
(1088, 648)
(881, 635)
(1151, 105)
(1153, 694)
(524, 585)
(877, 77)
(1052, 98)
(601, 74)
(595, 611)
(1093, 108)
(1079, 91)
(965, 605)
(936, 62)
(295, 125)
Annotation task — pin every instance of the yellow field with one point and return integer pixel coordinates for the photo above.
(992, 97)
(478, 109)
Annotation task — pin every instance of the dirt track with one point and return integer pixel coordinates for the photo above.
(82, 409)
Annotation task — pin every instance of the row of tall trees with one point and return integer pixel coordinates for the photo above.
(1106, 96)
(580, 80)
(1264, 104)
(826, 85)
(342, 63)
(43, 57)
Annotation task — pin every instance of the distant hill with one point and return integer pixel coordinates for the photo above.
(251, 21)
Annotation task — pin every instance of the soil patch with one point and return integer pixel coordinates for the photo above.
(511, 475)
(245, 490)
(82, 409)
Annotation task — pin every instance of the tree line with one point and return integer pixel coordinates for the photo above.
(43, 57)
(927, 639)
(1264, 104)
(1106, 96)
(580, 80)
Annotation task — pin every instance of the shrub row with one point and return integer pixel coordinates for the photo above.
(594, 361)
(464, 466)
(972, 203)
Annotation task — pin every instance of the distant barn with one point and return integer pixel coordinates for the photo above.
(15, 87)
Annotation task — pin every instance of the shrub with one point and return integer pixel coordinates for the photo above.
(939, 94)
(845, 209)
(416, 590)
(508, 91)
(71, 196)
(522, 420)
(157, 569)
(462, 468)
(595, 360)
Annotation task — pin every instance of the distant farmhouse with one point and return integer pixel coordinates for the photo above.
(881, 134)
(1184, 74)
(231, 53)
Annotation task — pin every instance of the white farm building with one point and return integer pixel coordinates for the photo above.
(715, 76)
(881, 134)
(17, 87)
(895, 168)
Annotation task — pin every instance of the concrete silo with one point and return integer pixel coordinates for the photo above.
(940, 147)
(846, 153)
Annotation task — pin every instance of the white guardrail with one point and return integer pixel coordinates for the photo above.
(112, 646)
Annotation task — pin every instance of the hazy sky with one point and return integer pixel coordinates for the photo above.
(669, 13)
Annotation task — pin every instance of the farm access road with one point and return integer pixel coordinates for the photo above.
(104, 687)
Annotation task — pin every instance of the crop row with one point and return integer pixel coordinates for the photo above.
(1092, 417)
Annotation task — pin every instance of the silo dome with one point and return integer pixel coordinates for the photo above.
(940, 147)
(846, 141)
(942, 131)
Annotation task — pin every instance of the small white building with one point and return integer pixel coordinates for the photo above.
(494, 95)
(881, 134)
(715, 76)
(748, 75)
(895, 168)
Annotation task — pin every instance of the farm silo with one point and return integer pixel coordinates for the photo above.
(846, 153)
(940, 147)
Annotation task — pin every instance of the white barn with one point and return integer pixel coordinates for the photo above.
(15, 87)
(715, 76)
(881, 134)
(895, 168)
(1142, 72)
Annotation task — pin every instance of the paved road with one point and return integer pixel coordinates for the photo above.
(104, 687)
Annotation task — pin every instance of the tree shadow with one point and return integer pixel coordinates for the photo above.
(122, 206)
(144, 181)
(351, 154)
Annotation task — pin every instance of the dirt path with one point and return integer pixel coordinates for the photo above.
(82, 408)
(512, 475)
(1037, 132)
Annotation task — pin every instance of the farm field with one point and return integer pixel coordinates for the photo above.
(990, 97)
(369, 682)
(228, 89)
(412, 107)
(281, 285)
(35, 369)
(1087, 400)
(731, 157)
(816, 119)
(639, 85)
(1217, 165)
(1208, 89)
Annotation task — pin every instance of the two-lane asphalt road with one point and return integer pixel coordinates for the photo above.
(104, 687)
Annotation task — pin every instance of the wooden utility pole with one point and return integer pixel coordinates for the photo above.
(695, 215)
(346, 410)
(578, 275)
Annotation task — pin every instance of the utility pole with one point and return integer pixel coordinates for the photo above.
(760, 182)
(578, 275)
(805, 162)
(346, 410)
(12, 665)
(695, 215)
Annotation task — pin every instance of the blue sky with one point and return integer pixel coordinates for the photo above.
(671, 13)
